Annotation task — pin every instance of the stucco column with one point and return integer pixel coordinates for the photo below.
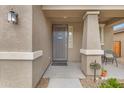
(102, 33)
(91, 46)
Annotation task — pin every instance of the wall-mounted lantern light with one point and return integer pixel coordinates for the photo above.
(12, 17)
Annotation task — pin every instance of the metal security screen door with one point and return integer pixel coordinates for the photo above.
(60, 44)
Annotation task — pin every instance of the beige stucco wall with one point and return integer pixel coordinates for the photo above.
(90, 41)
(16, 38)
(15, 74)
(85, 66)
(74, 53)
(41, 41)
(108, 37)
(32, 33)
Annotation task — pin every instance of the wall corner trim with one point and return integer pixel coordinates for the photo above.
(20, 55)
(91, 52)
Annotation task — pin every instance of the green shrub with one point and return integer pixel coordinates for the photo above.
(111, 83)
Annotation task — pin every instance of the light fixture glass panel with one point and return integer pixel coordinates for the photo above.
(9, 17)
(12, 17)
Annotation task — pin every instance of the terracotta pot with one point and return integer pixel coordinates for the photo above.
(104, 73)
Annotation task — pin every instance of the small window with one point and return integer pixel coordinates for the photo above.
(118, 28)
(70, 38)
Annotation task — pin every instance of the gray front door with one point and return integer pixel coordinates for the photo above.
(60, 43)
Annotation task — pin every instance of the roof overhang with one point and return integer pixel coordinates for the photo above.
(82, 7)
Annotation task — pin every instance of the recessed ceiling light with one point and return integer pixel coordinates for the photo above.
(65, 16)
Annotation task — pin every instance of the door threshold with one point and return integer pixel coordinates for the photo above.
(59, 63)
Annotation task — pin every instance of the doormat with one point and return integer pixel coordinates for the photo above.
(59, 63)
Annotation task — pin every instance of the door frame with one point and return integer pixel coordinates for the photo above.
(120, 48)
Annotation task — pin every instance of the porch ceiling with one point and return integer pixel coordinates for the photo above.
(82, 7)
(110, 16)
(106, 16)
(64, 15)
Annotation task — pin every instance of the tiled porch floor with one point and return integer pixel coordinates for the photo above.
(64, 76)
(68, 76)
(72, 70)
(113, 71)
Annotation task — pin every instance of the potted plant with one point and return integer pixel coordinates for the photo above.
(103, 72)
(95, 66)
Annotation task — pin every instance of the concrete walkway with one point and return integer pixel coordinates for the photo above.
(64, 76)
(64, 83)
